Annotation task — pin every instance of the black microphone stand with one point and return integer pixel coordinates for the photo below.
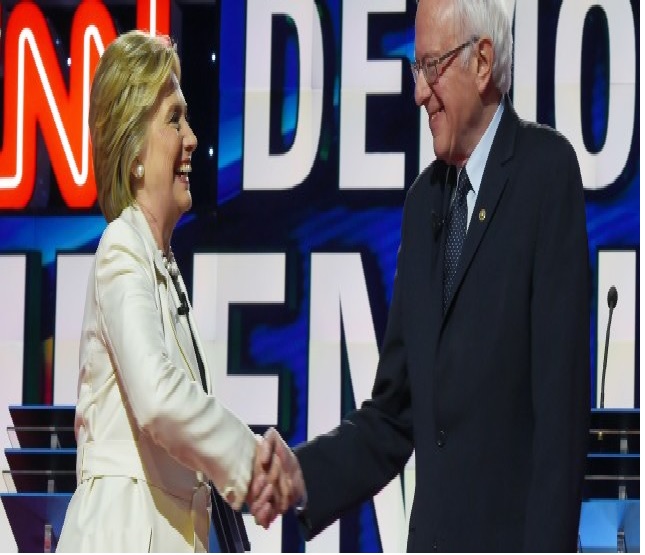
(612, 300)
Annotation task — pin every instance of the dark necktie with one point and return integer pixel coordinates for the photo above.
(456, 235)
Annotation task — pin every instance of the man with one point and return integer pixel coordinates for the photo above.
(484, 369)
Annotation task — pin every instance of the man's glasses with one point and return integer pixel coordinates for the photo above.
(430, 67)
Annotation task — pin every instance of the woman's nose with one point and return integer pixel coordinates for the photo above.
(190, 140)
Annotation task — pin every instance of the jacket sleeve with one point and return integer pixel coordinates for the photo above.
(194, 427)
(372, 445)
(559, 362)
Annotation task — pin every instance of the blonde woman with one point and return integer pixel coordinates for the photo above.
(150, 433)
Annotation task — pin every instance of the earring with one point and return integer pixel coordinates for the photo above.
(139, 170)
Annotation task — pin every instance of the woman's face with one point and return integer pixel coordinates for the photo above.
(170, 143)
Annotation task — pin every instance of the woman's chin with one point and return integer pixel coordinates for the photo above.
(188, 202)
(185, 202)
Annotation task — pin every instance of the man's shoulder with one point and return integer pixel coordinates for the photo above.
(546, 155)
(543, 136)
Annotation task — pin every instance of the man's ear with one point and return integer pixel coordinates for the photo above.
(484, 56)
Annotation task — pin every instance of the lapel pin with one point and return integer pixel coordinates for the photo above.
(482, 214)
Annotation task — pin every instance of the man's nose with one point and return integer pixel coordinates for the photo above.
(422, 90)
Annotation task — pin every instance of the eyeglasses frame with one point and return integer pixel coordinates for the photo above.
(423, 66)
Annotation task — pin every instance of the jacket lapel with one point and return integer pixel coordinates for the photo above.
(180, 328)
(441, 187)
(167, 296)
(198, 345)
(494, 180)
(160, 267)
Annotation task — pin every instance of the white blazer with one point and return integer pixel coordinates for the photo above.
(149, 438)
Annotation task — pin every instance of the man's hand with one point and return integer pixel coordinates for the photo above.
(277, 479)
(268, 484)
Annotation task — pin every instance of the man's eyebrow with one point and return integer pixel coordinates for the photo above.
(429, 56)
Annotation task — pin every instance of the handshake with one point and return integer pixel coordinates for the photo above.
(277, 481)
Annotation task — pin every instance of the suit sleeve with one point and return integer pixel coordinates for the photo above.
(559, 361)
(371, 446)
(195, 428)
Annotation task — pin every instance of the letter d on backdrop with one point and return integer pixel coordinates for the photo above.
(262, 170)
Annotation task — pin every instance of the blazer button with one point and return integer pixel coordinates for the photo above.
(441, 438)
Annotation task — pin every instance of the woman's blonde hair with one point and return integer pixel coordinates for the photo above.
(129, 77)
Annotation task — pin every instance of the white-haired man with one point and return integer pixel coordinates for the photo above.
(484, 368)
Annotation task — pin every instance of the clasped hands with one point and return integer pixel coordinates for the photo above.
(277, 481)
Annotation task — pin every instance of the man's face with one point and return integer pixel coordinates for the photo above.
(452, 101)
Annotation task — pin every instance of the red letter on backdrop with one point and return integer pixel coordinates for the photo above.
(35, 93)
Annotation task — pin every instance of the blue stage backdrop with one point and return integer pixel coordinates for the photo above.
(308, 140)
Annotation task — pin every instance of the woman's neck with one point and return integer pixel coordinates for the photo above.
(161, 231)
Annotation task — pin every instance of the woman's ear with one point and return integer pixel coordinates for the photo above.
(138, 170)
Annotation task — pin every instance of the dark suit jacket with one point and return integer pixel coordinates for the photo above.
(494, 396)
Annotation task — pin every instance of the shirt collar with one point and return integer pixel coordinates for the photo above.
(477, 161)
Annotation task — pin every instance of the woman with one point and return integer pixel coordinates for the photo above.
(149, 437)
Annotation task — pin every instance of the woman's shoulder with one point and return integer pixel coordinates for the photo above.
(123, 233)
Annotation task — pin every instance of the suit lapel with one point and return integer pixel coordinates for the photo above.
(494, 180)
(198, 345)
(169, 306)
(439, 201)
(166, 293)
(160, 267)
(181, 330)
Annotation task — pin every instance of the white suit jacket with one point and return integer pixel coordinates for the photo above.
(149, 438)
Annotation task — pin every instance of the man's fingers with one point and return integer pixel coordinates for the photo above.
(273, 489)
(286, 494)
(273, 443)
(265, 497)
(264, 514)
(265, 452)
(275, 471)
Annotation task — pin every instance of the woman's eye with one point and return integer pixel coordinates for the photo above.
(174, 118)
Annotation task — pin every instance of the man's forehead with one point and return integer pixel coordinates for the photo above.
(434, 26)
(432, 41)
(439, 11)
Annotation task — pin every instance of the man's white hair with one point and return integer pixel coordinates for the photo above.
(487, 18)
